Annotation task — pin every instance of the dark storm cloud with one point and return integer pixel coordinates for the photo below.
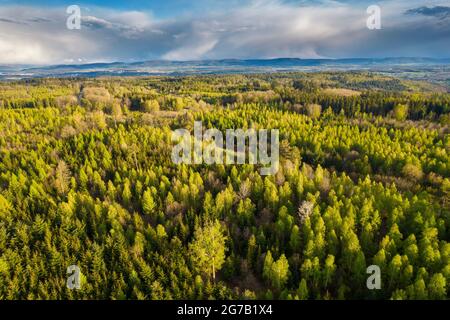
(7, 20)
(438, 11)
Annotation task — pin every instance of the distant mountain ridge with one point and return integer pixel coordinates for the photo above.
(165, 67)
(250, 62)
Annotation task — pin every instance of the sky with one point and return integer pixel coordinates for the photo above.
(35, 32)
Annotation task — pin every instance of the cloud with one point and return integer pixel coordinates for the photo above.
(259, 29)
(39, 20)
(11, 21)
(128, 24)
(192, 51)
(438, 11)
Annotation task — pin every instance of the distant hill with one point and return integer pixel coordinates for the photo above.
(163, 67)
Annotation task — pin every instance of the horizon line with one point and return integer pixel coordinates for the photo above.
(224, 59)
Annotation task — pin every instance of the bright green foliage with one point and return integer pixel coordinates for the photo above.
(276, 272)
(400, 112)
(86, 178)
(207, 250)
(150, 106)
(148, 203)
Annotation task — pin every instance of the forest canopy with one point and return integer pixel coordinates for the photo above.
(86, 179)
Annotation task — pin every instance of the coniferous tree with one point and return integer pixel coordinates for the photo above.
(207, 250)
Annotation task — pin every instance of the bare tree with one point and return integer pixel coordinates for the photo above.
(305, 210)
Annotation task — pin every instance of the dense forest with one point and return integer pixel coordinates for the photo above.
(86, 179)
